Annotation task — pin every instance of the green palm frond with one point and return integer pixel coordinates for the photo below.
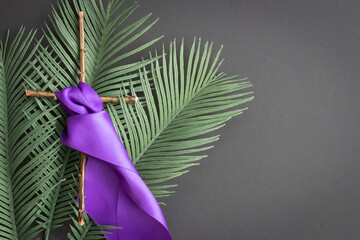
(108, 43)
(23, 165)
(165, 137)
(109, 40)
(90, 230)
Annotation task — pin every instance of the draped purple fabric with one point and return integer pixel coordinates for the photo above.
(115, 193)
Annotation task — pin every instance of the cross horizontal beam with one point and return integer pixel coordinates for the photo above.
(43, 94)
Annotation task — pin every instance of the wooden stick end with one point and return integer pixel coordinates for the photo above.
(81, 222)
(130, 99)
(81, 217)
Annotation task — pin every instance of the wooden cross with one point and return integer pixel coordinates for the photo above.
(83, 157)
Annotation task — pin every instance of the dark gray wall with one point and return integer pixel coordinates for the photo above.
(289, 167)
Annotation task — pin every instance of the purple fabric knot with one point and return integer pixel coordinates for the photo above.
(115, 193)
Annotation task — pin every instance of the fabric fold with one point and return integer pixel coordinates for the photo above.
(115, 193)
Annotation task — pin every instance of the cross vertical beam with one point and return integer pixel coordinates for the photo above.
(83, 157)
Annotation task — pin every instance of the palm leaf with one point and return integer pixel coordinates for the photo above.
(108, 41)
(166, 137)
(90, 230)
(23, 165)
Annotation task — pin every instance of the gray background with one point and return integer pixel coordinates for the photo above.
(289, 167)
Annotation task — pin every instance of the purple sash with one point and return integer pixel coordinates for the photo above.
(115, 193)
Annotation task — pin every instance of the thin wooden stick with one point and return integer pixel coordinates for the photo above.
(83, 157)
(43, 94)
(82, 47)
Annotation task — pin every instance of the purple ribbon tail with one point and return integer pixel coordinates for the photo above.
(115, 193)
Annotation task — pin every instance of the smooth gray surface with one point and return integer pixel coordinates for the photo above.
(289, 167)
